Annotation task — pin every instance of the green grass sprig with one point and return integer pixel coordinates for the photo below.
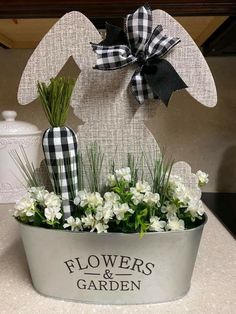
(160, 171)
(132, 163)
(55, 99)
(25, 167)
(80, 169)
(95, 158)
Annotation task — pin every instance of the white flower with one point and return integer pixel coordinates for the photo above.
(99, 213)
(81, 198)
(74, 223)
(169, 209)
(111, 197)
(173, 181)
(178, 190)
(174, 223)
(77, 200)
(121, 209)
(39, 194)
(88, 221)
(142, 187)
(84, 198)
(156, 224)
(25, 207)
(202, 178)
(51, 200)
(94, 199)
(201, 209)
(100, 227)
(137, 196)
(195, 207)
(151, 198)
(123, 174)
(111, 180)
(52, 213)
(105, 212)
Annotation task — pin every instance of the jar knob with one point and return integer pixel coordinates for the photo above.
(9, 115)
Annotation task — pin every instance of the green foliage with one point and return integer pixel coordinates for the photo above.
(139, 220)
(55, 99)
(95, 157)
(160, 171)
(132, 163)
(25, 167)
(80, 168)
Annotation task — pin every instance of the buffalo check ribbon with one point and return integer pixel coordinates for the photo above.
(154, 77)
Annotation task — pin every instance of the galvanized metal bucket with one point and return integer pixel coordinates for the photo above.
(112, 268)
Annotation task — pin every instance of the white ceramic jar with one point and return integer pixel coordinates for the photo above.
(14, 134)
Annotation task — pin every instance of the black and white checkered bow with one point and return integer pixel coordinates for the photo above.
(144, 45)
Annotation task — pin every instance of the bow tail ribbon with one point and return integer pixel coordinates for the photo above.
(162, 78)
(156, 79)
(140, 87)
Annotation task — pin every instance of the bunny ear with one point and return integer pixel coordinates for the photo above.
(188, 61)
(70, 36)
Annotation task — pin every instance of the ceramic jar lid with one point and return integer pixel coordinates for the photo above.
(9, 126)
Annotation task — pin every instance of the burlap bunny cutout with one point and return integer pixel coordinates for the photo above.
(102, 99)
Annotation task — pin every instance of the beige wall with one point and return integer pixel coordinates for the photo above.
(187, 130)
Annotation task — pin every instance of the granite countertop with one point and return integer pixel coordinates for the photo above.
(213, 288)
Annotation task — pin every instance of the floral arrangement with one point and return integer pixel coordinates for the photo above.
(125, 203)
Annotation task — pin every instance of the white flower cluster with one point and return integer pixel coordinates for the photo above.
(173, 223)
(181, 192)
(25, 207)
(142, 193)
(36, 198)
(123, 174)
(124, 208)
(178, 190)
(92, 200)
(202, 178)
(181, 196)
(99, 211)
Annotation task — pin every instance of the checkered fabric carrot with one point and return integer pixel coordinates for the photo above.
(60, 142)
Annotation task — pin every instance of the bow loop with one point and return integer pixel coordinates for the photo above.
(138, 28)
(112, 57)
(158, 44)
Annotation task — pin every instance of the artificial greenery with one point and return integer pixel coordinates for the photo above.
(26, 167)
(160, 170)
(133, 164)
(128, 201)
(55, 99)
(94, 158)
(80, 168)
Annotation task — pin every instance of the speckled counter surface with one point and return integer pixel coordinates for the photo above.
(213, 288)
